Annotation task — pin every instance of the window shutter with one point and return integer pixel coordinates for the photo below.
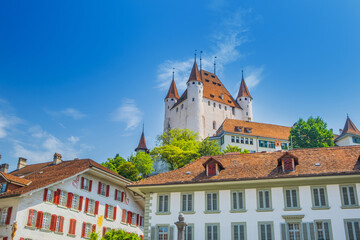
(5, 238)
(90, 185)
(283, 231)
(123, 217)
(106, 210)
(94, 228)
(114, 215)
(71, 226)
(171, 233)
(99, 187)
(74, 226)
(39, 219)
(312, 231)
(116, 193)
(30, 217)
(82, 183)
(86, 205)
(80, 203)
(305, 231)
(8, 216)
(61, 224)
(137, 219)
(83, 229)
(152, 233)
(69, 200)
(96, 211)
(45, 194)
(104, 231)
(55, 196)
(53, 222)
(107, 190)
(141, 221)
(122, 196)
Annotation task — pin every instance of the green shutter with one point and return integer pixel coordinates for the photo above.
(152, 233)
(305, 231)
(171, 233)
(312, 231)
(283, 231)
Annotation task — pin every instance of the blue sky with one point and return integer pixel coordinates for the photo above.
(80, 77)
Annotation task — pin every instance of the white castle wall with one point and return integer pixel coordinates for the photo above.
(346, 141)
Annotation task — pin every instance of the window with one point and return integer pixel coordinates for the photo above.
(319, 197)
(90, 206)
(193, 99)
(3, 186)
(214, 104)
(348, 194)
(242, 140)
(291, 198)
(193, 82)
(31, 222)
(3, 216)
(63, 198)
(322, 231)
(123, 216)
(208, 103)
(182, 106)
(219, 106)
(46, 221)
(177, 109)
(232, 139)
(237, 139)
(72, 227)
(251, 141)
(294, 230)
(75, 202)
(352, 227)
(233, 110)
(110, 212)
(86, 184)
(266, 144)
(49, 195)
(118, 195)
(266, 231)
(356, 140)
(134, 218)
(246, 141)
(222, 141)
(163, 203)
(189, 232)
(238, 231)
(212, 202)
(59, 224)
(212, 231)
(284, 146)
(103, 189)
(187, 202)
(163, 233)
(87, 229)
(225, 108)
(214, 125)
(264, 200)
(238, 201)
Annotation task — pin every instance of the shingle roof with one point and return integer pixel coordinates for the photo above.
(257, 129)
(349, 128)
(42, 175)
(142, 143)
(195, 74)
(173, 92)
(12, 178)
(253, 166)
(243, 91)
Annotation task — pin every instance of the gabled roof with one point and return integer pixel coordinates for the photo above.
(257, 129)
(13, 179)
(349, 128)
(173, 92)
(195, 74)
(243, 91)
(142, 143)
(42, 175)
(254, 166)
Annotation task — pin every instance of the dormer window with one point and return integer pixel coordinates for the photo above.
(288, 162)
(247, 130)
(212, 167)
(238, 129)
(288, 165)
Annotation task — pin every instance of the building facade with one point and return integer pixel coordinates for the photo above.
(303, 194)
(205, 104)
(253, 136)
(66, 200)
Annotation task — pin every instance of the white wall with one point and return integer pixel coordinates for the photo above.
(346, 141)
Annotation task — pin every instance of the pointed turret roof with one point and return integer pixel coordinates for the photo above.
(195, 74)
(350, 127)
(173, 92)
(142, 143)
(243, 91)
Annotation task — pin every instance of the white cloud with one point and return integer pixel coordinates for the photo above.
(73, 139)
(6, 124)
(128, 113)
(253, 76)
(68, 112)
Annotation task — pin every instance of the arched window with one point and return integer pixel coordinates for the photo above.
(214, 125)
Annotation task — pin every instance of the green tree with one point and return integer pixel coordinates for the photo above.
(143, 163)
(311, 134)
(129, 171)
(209, 147)
(114, 163)
(120, 235)
(230, 148)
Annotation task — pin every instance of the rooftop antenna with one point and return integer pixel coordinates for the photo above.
(195, 54)
(200, 60)
(215, 65)
(242, 72)
(173, 73)
(143, 127)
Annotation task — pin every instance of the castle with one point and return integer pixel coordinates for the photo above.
(205, 104)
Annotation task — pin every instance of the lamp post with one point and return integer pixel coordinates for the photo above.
(181, 227)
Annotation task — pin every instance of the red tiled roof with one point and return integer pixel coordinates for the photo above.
(195, 74)
(349, 128)
(16, 180)
(257, 129)
(42, 175)
(243, 91)
(173, 92)
(253, 166)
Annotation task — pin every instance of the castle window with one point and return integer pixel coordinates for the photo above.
(212, 76)
(229, 101)
(193, 99)
(208, 103)
(214, 83)
(238, 129)
(239, 99)
(172, 99)
(245, 98)
(233, 110)
(199, 83)
(247, 114)
(214, 104)
(167, 100)
(246, 141)
(225, 108)
(207, 80)
(219, 84)
(168, 107)
(193, 82)
(177, 109)
(212, 95)
(220, 106)
(214, 125)
(206, 74)
(182, 106)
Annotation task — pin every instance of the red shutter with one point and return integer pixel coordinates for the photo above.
(5, 238)
(39, 219)
(53, 222)
(30, 217)
(137, 219)
(212, 169)
(94, 228)
(8, 217)
(61, 224)
(83, 229)
(57, 197)
(74, 226)
(114, 215)
(129, 217)
(107, 190)
(96, 211)
(20, 239)
(104, 231)
(69, 200)
(86, 205)
(82, 183)
(141, 221)
(99, 188)
(90, 185)
(122, 196)
(116, 193)
(45, 194)
(70, 226)
(123, 216)
(106, 210)
(80, 203)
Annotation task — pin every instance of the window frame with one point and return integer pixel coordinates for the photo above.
(323, 220)
(65, 198)
(3, 216)
(325, 195)
(93, 207)
(243, 209)
(356, 205)
(182, 203)
(258, 200)
(293, 221)
(212, 224)
(217, 202)
(192, 233)
(78, 202)
(272, 229)
(345, 225)
(157, 226)
(86, 186)
(158, 212)
(232, 229)
(287, 208)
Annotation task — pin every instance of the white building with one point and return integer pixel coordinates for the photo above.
(302, 194)
(349, 135)
(253, 136)
(66, 200)
(205, 104)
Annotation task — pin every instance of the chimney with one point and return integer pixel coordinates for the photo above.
(340, 131)
(21, 163)
(57, 158)
(4, 168)
(277, 145)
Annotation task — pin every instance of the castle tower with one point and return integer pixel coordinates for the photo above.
(244, 99)
(142, 144)
(171, 98)
(194, 120)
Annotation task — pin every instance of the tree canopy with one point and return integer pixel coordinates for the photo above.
(312, 133)
(129, 171)
(143, 163)
(230, 148)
